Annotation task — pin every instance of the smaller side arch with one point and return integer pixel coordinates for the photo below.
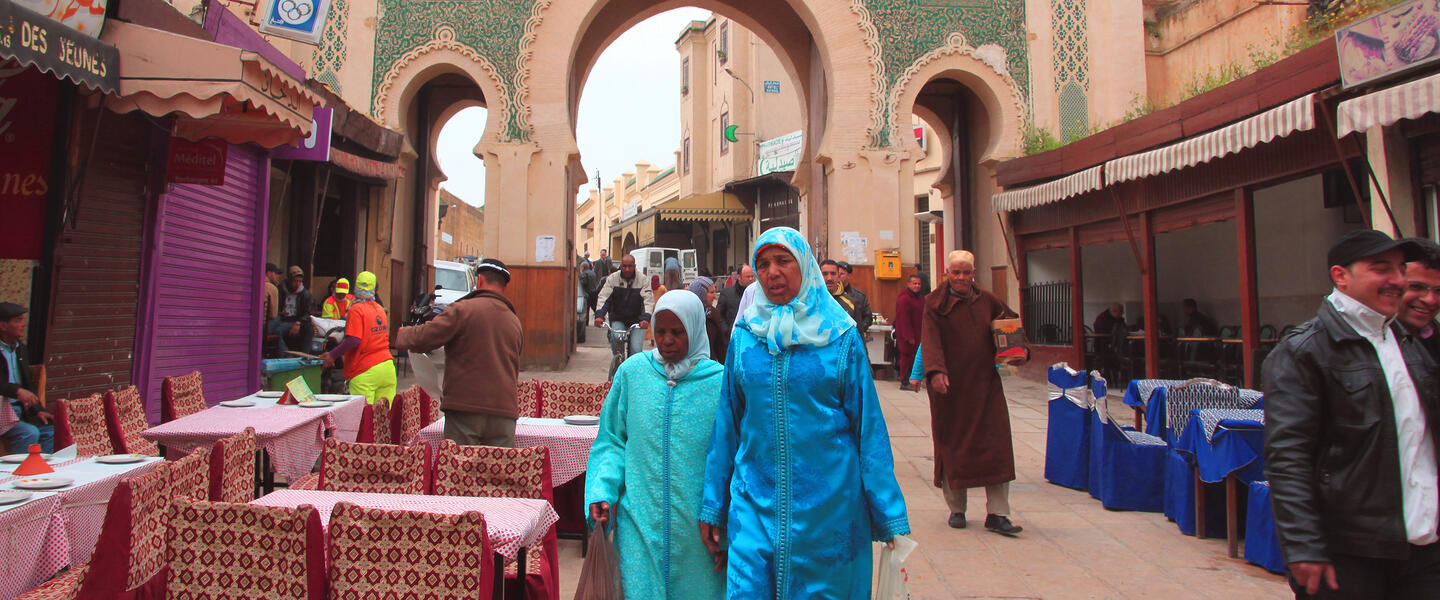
(975, 69)
(942, 141)
(441, 55)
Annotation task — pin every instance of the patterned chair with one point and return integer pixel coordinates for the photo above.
(131, 549)
(82, 421)
(429, 407)
(527, 398)
(180, 396)
(129, 413)
(486, 471)
(378, 553)
(377, 423)
(1126, 465)
(372, 468)
(408, 419)
(563, 398)
(226, 551)
(64, 587)
(190, 476)
(232, 468)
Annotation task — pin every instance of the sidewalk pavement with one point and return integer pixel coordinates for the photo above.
(1071, 547)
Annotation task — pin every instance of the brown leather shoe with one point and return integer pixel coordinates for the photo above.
(1001, 524)
(957, 520)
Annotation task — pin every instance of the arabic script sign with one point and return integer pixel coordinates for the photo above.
(781, 153)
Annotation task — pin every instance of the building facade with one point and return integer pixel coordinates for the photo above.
(461, 229)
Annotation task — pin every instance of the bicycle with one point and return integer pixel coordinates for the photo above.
(620, 347)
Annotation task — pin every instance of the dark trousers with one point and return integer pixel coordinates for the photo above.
(1380, 579)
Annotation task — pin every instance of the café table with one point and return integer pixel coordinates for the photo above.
(290, 438)
(569, 444)
(1226, 444)
(56, 529)
(513, 524)
(1155, 406)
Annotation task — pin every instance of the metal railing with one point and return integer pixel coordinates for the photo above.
(1045, 308)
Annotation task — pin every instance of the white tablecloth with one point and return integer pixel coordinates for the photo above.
(569, 444)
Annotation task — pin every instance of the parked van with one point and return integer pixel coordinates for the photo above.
(651, 261)
(454, 280)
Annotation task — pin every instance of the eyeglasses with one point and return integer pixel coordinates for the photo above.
(1415, 286)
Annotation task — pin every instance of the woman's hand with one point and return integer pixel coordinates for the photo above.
(600, 513)
(915, 384)
(712, 535)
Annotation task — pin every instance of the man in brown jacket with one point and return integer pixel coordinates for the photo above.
(482, 340)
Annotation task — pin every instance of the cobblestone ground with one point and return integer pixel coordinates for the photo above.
(1071, 547)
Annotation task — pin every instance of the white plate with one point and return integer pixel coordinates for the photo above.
(43, 483)
(120, 459)
(13, 497)
(269, 394)
(315, 404)
(582, 420)
(238, 403)
(332, 397)
(19, 458)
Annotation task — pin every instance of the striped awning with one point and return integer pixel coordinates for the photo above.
(1410, 100)
(1278, 122)
(1045, 193)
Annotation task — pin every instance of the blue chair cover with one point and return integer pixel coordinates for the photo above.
(1097, 427)
(1131, 463)
(1180, 497)
(1262, 544)
(1067, 438)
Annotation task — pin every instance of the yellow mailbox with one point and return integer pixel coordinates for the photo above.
(887, 264)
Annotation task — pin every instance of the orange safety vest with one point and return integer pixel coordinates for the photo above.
(336, 310)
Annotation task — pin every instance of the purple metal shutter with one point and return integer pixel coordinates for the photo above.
(204, 298)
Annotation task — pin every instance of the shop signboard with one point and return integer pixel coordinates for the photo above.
(84, 16)
(27, 122)
(35, 40)
(1390, 42)
(781, 153)
(199, 163)
(317, 146)
(299, 20)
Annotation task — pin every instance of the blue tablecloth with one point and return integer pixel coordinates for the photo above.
(1137, 394)
(1155, 404)
(1234, 445)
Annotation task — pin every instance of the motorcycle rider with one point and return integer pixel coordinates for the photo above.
(627, 300)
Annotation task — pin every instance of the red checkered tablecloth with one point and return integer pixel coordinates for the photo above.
(293, 436)
(512, 523)
(8, 418)
(569, 444)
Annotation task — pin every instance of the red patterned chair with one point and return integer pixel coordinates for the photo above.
(190, 476)
(487, 471)
(372, 468)
(378, 553)
(429, 407)
(83, 422)
(408, 421)
(129, 413)
(232, 468)
(130, 553)
(180, 396)
(64, 587)
(563, 398)
(377, 423)
(527, 398)
(227, 551)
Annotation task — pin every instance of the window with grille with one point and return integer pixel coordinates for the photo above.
(684, 76)
(724, 125)
(685, 156)
(724, 42)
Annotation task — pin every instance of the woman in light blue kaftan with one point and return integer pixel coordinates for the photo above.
(648, 461)
(800, 473)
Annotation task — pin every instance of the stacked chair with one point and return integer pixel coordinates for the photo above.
(1067, 442)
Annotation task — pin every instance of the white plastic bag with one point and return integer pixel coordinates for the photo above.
(893, 580)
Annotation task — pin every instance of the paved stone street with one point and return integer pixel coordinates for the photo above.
(1071, 547)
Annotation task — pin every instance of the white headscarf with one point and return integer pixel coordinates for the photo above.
(692, 315)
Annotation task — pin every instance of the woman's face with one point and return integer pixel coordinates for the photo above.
(670, 337)
(778, 273)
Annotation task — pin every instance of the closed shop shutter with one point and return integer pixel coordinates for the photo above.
(206, 299)
(96, 280)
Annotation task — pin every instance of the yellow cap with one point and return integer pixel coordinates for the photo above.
(342, 286)
(365, 281)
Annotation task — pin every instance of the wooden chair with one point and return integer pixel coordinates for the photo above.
(232, 468)
(422, 555)
(83, 422)
(222, 550)
(181, 396)
(371, 468)
(129, 421)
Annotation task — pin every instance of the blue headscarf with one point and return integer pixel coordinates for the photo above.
(692, 315)
(812, 318)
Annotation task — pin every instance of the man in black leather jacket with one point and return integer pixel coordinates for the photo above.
(1350, 411)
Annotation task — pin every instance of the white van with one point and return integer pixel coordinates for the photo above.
(651, 261)
(454, 281)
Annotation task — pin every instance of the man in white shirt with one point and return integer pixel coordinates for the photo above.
(1350, 416)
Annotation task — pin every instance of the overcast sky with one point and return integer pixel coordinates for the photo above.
(629, 111)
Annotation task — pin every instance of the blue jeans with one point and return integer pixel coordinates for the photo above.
(281, 328)
(637, 337)
(23, 434)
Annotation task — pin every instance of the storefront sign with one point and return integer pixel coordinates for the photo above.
(84, 16)
(781, 153)
(36, 40)
(365, 167)
(200, 163)
(317, 146)
(299, 20)
(27, 121)
(1390, 42)
(630, 209)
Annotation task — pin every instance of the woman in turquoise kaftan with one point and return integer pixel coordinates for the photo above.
(800, 474)
(648, 460)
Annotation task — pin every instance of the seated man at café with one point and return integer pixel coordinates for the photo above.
(1197, 324)
(35, 426)
(1106, 321)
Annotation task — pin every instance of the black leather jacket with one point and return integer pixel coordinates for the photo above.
(1330, 441)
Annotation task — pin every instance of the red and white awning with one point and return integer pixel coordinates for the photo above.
(1278, 122)
(1410, 100)
(1066, 187)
